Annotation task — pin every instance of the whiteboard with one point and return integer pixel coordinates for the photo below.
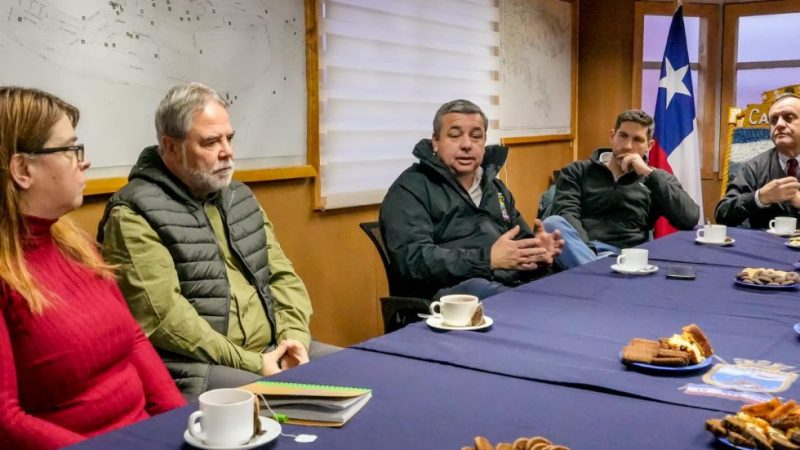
(535, 67)
(115, 60)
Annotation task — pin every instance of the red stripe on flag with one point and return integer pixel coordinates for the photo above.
(658, 159)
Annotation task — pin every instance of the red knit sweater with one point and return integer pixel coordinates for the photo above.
(81, 368)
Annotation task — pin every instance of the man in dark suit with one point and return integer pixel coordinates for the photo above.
(766, 186)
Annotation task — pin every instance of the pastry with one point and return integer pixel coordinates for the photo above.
(757, 436)
(639, 355)
(781, 442)
(536, 440)
(481, 443)
(689, 347)
(761, 409)
(714, 426)
(669, 361)
(737, 439)
(781, 411)
(734, 424)
(520, 444)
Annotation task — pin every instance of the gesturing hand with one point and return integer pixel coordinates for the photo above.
(552, 242)
(506, 253)
(780, 190)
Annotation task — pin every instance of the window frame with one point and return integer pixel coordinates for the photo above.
(708, 67)
(731, 14)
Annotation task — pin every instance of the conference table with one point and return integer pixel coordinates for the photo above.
(549, 365)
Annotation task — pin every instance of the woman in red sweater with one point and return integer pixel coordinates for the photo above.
(73, 362)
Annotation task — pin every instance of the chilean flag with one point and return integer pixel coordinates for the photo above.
(677, 148)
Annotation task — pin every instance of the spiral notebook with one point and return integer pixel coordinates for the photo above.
(312, 404)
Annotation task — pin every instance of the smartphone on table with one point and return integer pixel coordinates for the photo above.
(681, 272)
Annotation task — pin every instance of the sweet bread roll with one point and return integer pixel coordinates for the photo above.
(696, 334)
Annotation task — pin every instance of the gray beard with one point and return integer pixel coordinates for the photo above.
(205, 182)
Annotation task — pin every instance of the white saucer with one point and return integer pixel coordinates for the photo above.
(728, 241)
(646, 270)
(271, 429)
(773, 232)
(436, 322)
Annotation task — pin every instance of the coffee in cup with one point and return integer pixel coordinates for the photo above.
(715, 234)
(783, 225)
(455, 310)
(226, 417)
(633, 258)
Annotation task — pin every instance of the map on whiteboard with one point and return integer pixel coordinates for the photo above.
(536, 67)
(115, 60)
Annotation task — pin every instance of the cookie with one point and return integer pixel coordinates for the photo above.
(635, 354)
(477, 316)
(670, 361)
(535, 441)
(504, 446)
(714, 426)
(758, 436)
(737, 439)
(520, 444)
(481, 443)
(734, 424)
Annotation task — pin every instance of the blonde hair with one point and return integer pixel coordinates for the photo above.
(27, 117)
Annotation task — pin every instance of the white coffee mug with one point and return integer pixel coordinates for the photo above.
(633, 258)
(455, 310)
(783, 225)
(713, 233)
(226, 417)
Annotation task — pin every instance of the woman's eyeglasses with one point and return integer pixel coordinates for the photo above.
(78, 149)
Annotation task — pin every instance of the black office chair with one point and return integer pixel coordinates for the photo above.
(397, 311)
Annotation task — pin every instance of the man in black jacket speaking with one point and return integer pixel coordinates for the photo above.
(450, 225)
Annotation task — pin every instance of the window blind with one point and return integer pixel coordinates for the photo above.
(385, 68)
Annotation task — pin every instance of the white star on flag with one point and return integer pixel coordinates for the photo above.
(673, 81)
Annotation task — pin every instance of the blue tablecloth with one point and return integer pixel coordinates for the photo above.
(420, 405)
(752, 248)
(569, 328)
(549, 365)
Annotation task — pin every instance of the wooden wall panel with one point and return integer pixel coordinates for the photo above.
(528, 171)
(605, 56)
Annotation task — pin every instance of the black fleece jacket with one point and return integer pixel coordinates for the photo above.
(620, 212)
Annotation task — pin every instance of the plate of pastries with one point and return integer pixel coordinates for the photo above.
(522, 443)
(769, 425)
(762, 278)
(686, 351)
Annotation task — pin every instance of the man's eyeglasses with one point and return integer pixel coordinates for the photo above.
(78, 149)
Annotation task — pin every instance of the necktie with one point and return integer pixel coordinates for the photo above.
(791, 167)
